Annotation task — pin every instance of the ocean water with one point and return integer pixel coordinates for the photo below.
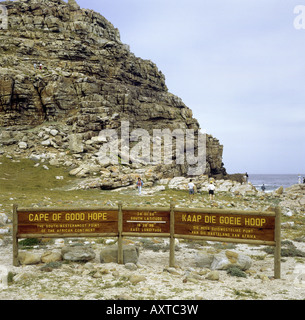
(274, 181)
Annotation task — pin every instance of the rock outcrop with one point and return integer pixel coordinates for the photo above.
(67, 66)
(223, 261)
(292, 198)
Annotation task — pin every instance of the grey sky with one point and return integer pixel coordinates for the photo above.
(239, 65)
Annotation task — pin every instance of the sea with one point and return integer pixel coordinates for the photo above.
(274, 181)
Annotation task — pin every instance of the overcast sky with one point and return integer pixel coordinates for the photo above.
(239, 65)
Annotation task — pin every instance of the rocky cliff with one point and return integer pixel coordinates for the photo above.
(64, 68)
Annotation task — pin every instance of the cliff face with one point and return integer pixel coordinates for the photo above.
(88, 80)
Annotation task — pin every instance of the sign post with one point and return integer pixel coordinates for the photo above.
(250, 227)
(62, 223)
(172, 235)
(120, 238)
(277, 251)
(15, 239)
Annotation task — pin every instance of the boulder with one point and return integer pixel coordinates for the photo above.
(280, 190)
(131, 266)
(244, 189)
(51, 256)
(228, 259)
(81, 171)
(46, 143)
(3, 219)
(75, 143)
(224, 186)
(178, 183)
(22, 145)
(84, 169)
(77, 253)
(54, 132)
(204, 260)
(27, 258)
(213, 275)
(4, 230)
(110, 254)
(242, 261)
(99, 139)
(3, 278)
(223, 260)
(302, 201)
(23, 276)
(135, 279)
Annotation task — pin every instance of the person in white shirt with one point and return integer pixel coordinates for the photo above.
(211, 189)
(191, 187)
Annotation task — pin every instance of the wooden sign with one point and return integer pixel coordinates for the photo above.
(146, 221)
(226, 226)
(252, 227)
(68, 222)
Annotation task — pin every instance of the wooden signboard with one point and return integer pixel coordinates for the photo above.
(149, 222)
(252, 227)
(240, 226)
(66, 222)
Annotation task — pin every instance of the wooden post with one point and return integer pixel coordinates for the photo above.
(120, 238)
(277, 251)
(15, 239)
(172, 233)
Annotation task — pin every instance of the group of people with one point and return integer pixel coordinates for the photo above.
(39, 66)
(300, 181)
(211, 189)
(191, 187)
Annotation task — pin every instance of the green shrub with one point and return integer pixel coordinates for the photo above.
(29, 242)
(290, 251)
(236, 272)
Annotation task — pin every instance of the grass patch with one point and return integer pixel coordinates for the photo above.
(29, 243)
(48, 267)
(224, 246)
(247, 293)
(290, 251)
(10, 277)
(236, 272)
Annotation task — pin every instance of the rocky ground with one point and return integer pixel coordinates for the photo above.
(49, 157)
(150, 276)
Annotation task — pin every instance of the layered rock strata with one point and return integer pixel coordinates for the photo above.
(67, 66)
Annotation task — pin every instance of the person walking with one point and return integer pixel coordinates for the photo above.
(191, 187)
(246, 177)
(211, 188)
(140, 185)
(300, 179)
